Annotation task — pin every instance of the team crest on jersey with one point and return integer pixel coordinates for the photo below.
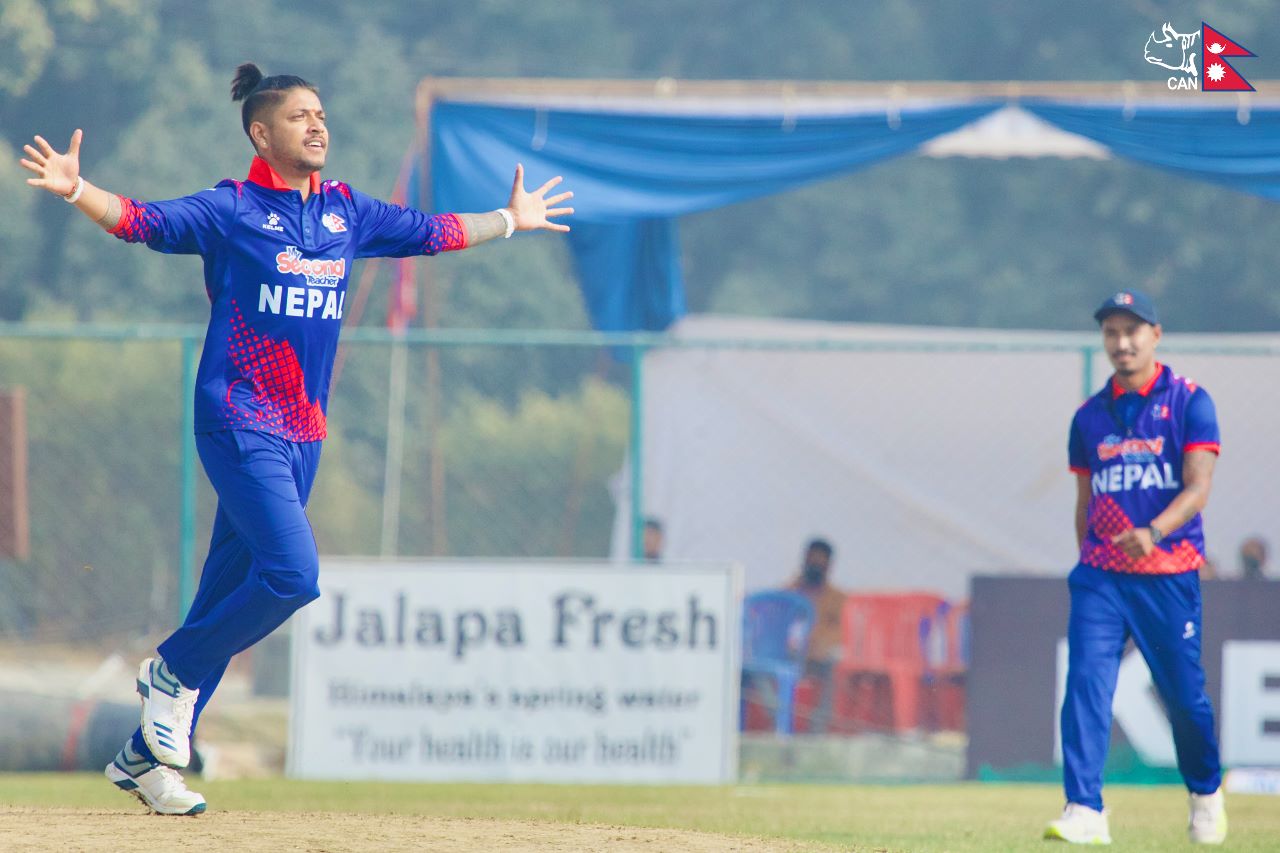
(334, 223)
(273, 223)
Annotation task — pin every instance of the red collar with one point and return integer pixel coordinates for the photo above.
(1117, 391)
(261, 173)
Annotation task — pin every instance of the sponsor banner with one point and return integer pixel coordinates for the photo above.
(1018, 670)
(497, 671)
(1251, 708)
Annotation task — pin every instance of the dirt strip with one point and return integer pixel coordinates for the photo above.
(85, 831)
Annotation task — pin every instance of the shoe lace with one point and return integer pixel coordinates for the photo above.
(172, 778)
(184, 707)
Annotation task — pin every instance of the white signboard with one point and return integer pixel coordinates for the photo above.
(493, 671)
(1251, 703)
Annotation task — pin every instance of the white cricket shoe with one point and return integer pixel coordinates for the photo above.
(1079, 825)
(1208, 822)
(160, 788)
(167, 710)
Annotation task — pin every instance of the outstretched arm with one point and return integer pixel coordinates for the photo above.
(529, 211)
(60, 175)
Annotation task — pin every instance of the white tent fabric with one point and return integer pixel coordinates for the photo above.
(925, 455)
(1013, 132)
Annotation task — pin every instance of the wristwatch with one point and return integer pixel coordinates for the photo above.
(1156, 534)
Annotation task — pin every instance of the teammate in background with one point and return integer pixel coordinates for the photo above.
(1143, 450)
(277, 248)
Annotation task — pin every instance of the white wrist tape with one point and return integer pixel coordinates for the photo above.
(75, 193)
(509, 219)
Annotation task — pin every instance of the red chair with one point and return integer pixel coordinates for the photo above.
(807, 691)
(879, 679)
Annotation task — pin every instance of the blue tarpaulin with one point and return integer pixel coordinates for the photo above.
(634, 173)
(1240, 150)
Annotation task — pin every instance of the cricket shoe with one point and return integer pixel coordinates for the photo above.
(160, 788)
(1079, 825)
(167, 710)
(1208, 822)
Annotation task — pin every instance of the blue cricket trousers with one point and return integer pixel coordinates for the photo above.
(1162, 615)
(262, 563)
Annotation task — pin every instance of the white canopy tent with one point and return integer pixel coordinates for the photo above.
(925, 455)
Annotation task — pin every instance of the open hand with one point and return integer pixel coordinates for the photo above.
(534, 210)
(55, 172)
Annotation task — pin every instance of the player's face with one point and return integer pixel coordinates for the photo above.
(295, 132)
(1130, 342)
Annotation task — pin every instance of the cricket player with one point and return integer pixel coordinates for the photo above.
(278, 249)
(1143, 450)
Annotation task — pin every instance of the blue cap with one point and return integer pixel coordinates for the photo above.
(1135, 302)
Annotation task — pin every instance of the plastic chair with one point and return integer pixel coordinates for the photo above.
(775, 640)
(885, 638)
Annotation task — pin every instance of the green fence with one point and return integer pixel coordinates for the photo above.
(442, 443)
(459, 444)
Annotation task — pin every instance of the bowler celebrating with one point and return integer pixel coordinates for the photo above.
(277, 249)
(1143, 449)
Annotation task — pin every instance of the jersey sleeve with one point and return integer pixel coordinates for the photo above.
(1200, 424)
(191, 225)
(1077, 453)
(394, 231)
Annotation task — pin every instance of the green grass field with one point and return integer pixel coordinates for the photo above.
(964, 817)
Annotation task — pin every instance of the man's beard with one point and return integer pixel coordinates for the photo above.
(1125, 370)
(303, 164)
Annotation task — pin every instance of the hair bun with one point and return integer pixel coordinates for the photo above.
(247, 77)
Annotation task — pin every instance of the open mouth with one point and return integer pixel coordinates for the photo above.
(315, 145)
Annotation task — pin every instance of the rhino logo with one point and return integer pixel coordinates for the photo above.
(1170, 48)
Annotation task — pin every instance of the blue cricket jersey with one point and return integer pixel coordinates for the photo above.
(276, 271)
(1131, 445)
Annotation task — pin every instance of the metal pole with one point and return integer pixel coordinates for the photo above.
(1086, 373)
(186, 557)
(434, 420)
(637, 452)
(394, 465)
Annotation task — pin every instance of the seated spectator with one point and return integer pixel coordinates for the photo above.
(652, 540)
(825, 647)
(1253, 558)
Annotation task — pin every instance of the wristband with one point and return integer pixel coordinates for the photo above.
(74, 195)
(509, 219)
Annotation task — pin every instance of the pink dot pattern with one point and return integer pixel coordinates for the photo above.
(137, 224)
(336, 186)
(280, 402)
(1107, 519)
(445, 233)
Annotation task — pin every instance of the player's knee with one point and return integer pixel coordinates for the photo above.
(297, 579)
